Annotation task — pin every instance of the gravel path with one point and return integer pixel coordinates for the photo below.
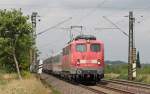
(64, 87)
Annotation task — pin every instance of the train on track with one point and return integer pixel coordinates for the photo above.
(82, 59)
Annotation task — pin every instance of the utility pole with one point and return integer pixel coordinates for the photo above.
(33, 56)
(132, 49)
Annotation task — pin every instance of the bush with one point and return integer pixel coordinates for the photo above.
(118, 69)
(26, 74)
(123, 76)
(16, 40)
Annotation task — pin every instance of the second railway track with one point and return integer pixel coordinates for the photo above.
(129, 83)
(128, 86)
(121, 91)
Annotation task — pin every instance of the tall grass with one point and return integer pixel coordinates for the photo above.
(117, 68)
(26, 86)
(120, 71)
(9, 84)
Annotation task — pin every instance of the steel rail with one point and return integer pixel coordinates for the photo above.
(144, 84)
(115, 89)
(91, 89)
(98, 85)
(129, 83)
(80, 85)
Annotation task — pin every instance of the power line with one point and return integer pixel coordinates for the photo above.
(50, 28)
(115, 26)
(104, 28)
(92, 11)
(51, 43)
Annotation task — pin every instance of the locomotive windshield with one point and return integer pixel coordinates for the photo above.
(95, 47)
(81, 47)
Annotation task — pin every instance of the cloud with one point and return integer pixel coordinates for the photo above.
(106, 4)
(89, 14)
(81, 4)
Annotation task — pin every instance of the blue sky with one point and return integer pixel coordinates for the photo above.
(89, 13)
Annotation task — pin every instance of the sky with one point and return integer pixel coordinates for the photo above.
(89, 14)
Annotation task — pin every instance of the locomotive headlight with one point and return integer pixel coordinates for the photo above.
(78, 61)
(98, 61)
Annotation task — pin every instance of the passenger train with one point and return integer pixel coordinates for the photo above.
(82, 59)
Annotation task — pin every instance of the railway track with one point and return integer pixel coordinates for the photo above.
(106, 86)
(92, 89)
(118, 90)
(115, 89)
(128, 83)
(95, 91)
(110, 89)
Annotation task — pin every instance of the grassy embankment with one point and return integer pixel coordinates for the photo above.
(120, 71)
(29, 85)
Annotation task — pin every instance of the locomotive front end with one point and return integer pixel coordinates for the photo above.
(88, 59)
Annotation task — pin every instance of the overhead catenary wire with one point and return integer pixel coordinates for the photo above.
(92, 11)
(104, 28)
(116, 26)
(100, 5)
(50, 28)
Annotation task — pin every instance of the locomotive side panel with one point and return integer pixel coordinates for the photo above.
(66, 59)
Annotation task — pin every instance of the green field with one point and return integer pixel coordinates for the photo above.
(120, 71)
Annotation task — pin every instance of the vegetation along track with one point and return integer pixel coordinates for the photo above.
(129, 83)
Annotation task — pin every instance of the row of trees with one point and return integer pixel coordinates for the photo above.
(16, 40)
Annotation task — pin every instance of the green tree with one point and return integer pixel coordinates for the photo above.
(138, 64)
(15, 40)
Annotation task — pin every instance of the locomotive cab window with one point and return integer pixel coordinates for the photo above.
(95, 47)
(81, 48)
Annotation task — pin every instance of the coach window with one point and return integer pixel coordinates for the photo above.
(95, 47)
(67, 50)
(64, 51)
(81, 47)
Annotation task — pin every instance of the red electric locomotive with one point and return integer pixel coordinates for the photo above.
(83, 59)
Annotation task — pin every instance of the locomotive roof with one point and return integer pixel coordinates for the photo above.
(86, 37)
